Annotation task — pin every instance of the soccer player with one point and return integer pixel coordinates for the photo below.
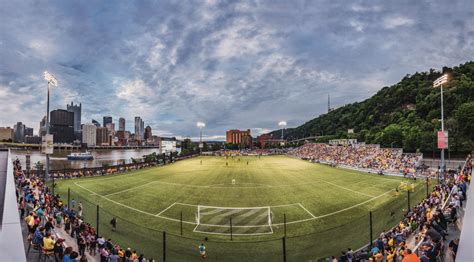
(202, 251)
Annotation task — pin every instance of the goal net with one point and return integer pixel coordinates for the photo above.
(238, 221)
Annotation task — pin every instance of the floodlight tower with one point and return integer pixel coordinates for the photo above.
(52, 81)
(439, 82)
(200, 125)
(282, 125)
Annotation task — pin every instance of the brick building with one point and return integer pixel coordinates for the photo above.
(239, 137)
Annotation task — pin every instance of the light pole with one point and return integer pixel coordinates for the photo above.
(200, 125)
(282, 125)
(52, 81)
(439, 82)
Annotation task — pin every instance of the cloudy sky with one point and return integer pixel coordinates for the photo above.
(230, 64)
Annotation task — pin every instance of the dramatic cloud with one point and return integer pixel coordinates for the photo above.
(230, 64)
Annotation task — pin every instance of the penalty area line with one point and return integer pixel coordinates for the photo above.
(164, 210)
(132, 208)
(306, 210)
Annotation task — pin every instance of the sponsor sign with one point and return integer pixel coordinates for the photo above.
(47, 146)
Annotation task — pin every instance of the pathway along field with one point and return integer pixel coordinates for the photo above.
(326, 209)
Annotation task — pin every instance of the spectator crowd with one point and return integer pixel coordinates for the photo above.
(427, 223)
(44, 214)
(360, 156)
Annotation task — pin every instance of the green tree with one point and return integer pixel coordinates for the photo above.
(465, 119)
(38, 165)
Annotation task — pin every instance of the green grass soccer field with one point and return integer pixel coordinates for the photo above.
(326, 209)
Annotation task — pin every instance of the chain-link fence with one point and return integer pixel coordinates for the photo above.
(172, 245)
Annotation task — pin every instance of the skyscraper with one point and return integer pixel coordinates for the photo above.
(139, 128)
(19, 130)
(121, 124)
(76, 109)
(96, 123)
(148, 134)
(42, 129)
(62, 126)
(28, 131)
(107, 120)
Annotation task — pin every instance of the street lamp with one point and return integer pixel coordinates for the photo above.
(439, 82)
(200, 125)
(52, 81)
(282, 125)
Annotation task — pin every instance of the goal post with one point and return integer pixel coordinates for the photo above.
(245, 220)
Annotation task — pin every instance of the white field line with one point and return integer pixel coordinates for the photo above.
(132, 208)
(336, 212)
(194, 223)
(234, 234)
(306, 210)
(132, 188)
(216, 207)
(157, 215)
(348, 189)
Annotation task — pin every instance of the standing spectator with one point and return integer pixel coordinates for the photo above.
(113, 222)
(79, 209)
(58, 249)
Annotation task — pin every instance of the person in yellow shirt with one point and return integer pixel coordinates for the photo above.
(30, 221)
(121, 253)
(390, 242)
(134, 255)
(48, 242)
(390, 256)
(428, 214)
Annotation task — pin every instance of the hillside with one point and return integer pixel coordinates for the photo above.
(406, 114)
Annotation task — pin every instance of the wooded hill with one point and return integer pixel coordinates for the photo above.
(405, 114)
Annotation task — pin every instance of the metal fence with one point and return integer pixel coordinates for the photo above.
(177, 243)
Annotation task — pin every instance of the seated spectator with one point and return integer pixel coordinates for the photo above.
(48, 242)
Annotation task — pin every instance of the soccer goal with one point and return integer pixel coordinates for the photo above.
(238, 221)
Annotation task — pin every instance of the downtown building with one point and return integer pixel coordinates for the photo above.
(243, 138)
(96, 123)
(76, 109)
(139, 130)
(123, 138)
(7, 134)
(62, 126)
(89, 134)
(110, 133)
(102, 138)
(19, 132)
(106, 120)
(121, 124)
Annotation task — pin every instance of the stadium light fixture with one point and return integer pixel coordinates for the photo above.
(52, 81)
(200, 125)
(50, 78)
(282, 125)
(439, 83)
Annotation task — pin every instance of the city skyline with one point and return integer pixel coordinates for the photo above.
(238, 65)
